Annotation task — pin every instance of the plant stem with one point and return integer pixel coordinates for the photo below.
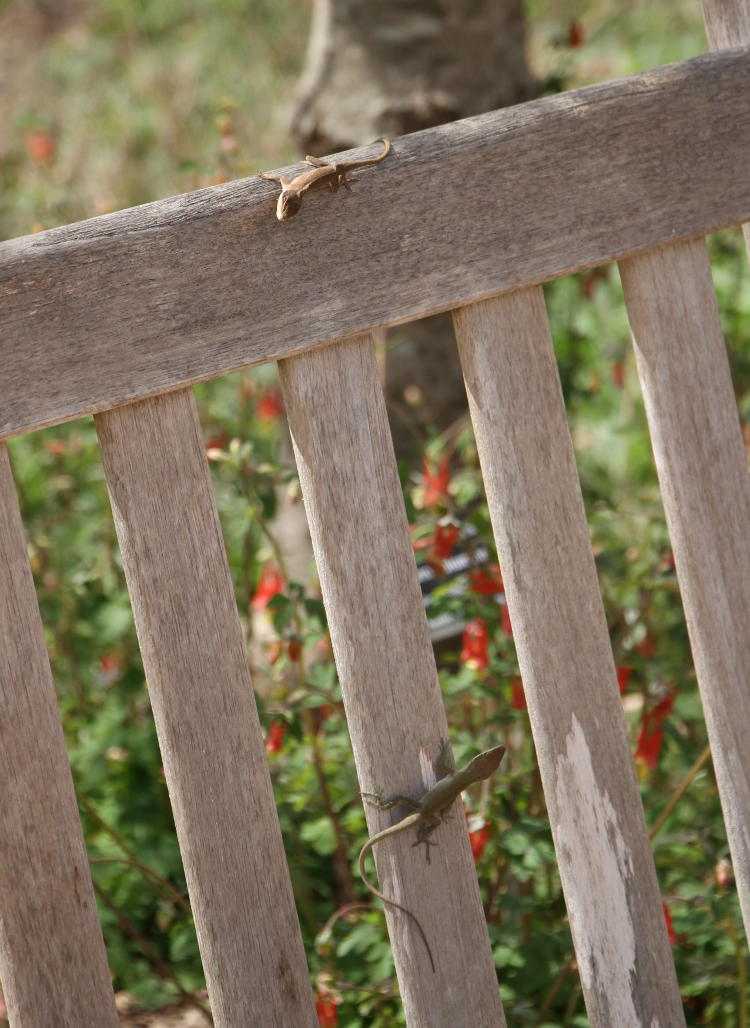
(149, 873)
(159, 965)
(679, 791)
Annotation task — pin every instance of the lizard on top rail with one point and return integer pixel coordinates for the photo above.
(322, 174)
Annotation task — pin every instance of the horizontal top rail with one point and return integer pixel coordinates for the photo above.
(145, 300)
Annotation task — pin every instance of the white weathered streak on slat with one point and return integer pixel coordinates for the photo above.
(384, 657)
(145, 300)
(210, 738)
(565, 656)
(52, 961)
(700, 458)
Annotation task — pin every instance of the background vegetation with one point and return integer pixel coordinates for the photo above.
(116, 103)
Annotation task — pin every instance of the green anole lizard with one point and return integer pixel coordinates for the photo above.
(322, 174)
(429, 812)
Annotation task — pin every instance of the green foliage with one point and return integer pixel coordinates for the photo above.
(135, 105)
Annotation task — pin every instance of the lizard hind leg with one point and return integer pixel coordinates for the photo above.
(423, 835)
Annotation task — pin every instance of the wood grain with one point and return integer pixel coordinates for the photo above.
(700, 458)
(142, 301)
(204, 708)
(564, 652)
(727, 23)
(52, 961)
(386, 666)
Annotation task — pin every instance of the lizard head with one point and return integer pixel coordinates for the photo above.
(485, 764)
(288, 204)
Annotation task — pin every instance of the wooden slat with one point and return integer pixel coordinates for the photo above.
(563, 647)
(387, 671)
(700, 458)
(204, 708)
(727, 23)
(53, 966)
(145, 300)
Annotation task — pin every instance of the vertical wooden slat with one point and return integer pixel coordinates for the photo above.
(728, 25)
(564, 651)
(700, 458)
(52, 961)
(204, 708)
(387, 671)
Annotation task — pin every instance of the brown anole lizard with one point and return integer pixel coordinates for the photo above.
(322, 175)
(429, 812)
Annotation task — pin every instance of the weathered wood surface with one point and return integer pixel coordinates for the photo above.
(727, 23)
(210, 738)
(566, 660)
(138, 302)
(386, 666)
(700, 458)
(52, 961)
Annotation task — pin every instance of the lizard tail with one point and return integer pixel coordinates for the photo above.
(393, 903)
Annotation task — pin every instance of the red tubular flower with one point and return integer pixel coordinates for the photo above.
(668, 919)
(275, 736)
(271, 583)
(40, 146)
(652, 730)
(478, 839)
(436, 481)
(576, 34)
(486, 581)
(517, 695)
(475, 640)
(446, 537)
(623, 677)
(505, 620)
(325, 1008)
(269, 406)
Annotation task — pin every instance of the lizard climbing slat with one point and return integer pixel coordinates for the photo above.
(386, 667)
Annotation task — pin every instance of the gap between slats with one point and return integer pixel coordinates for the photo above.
(564, 652)
(210, 738)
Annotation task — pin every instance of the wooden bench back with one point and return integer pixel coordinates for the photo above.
(120, 315)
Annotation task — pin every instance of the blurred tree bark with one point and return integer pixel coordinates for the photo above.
(387, 67)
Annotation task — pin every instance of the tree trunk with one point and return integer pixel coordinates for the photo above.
(387, 67)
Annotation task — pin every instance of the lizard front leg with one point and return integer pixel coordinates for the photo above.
(446, 765)
(282, 179)
(379, 801)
